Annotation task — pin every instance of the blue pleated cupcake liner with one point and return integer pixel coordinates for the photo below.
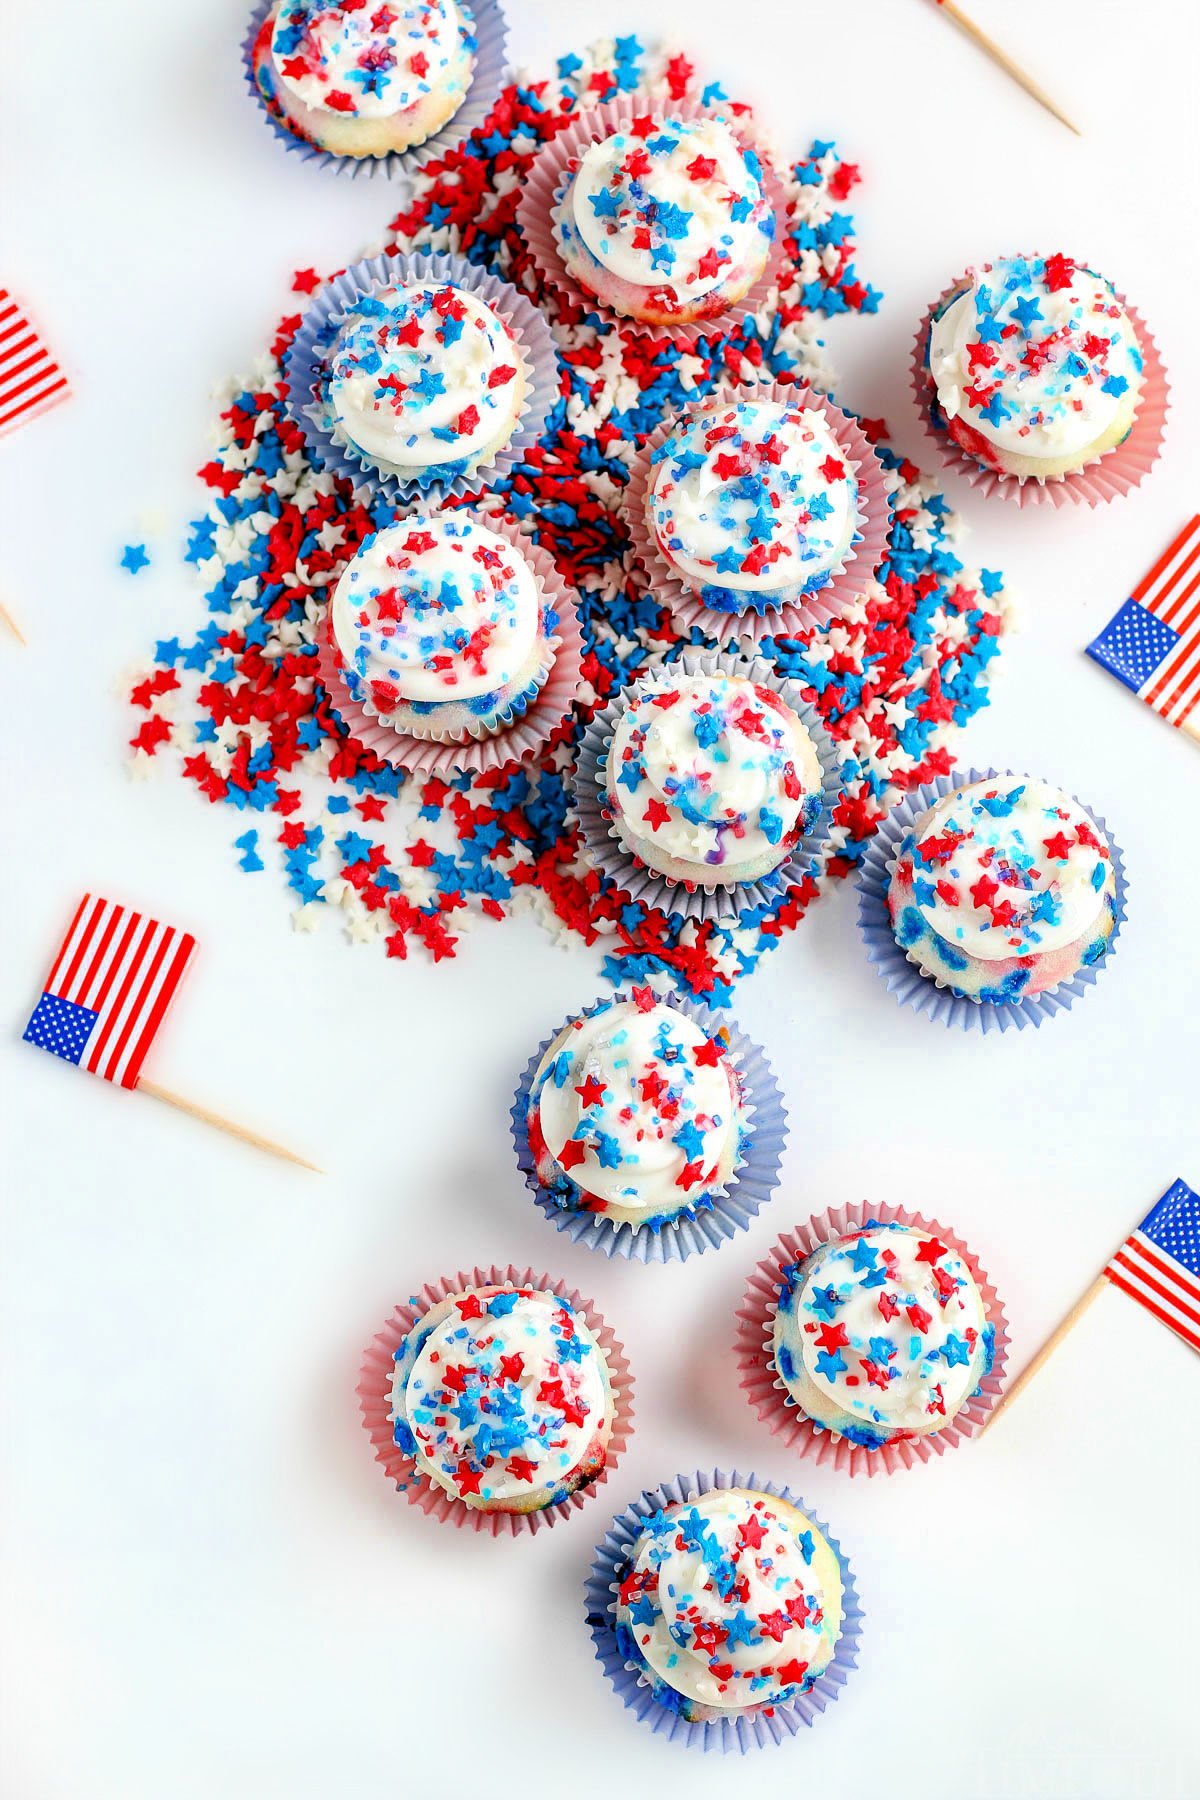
(604, 849)
(751, 1185)
(749, 1732)
(306, 363)
(487, 84)
(922, 992)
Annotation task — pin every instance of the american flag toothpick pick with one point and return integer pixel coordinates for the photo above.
(1152, 644)
(107, 993)
(1021, 76)
(30, 379)
(1158, 1265)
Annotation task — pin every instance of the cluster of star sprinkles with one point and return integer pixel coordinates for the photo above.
(410, 860)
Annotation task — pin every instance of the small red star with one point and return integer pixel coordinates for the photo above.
(656, 814)
(792, 1673)
(833, 470)
(1058, 846)
(708, 1054)
(572, 1153)
(522, 1468)
(470, 1307)
(832, 1337)
(773, 1625)
(592, 1092)
(467, 1479)
(512, 1367)
(931, 1251)
(751, 1532)
(643, 999)
(305, 281)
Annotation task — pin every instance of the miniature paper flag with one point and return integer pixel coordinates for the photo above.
(1153, 643)
(30, 379)
(1159, 1262)
(109, 989)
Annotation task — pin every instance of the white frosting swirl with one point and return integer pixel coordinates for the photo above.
(365, 61)
(435, 609)
(733, 1600)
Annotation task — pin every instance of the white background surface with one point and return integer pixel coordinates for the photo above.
(206, 1588)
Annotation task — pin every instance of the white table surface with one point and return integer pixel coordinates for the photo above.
(207, 1590)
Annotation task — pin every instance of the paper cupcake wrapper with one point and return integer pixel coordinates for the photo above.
(789, 618)
(750, 1732)
(306, 364)
(535, 205)
(717, 900)
(529, 732)
(487, 84)
(922, 992)
(767, 1393)
(1117, 472)
(375, 1388)
(752, 1184)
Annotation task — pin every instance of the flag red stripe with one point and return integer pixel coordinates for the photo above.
(114, 919)
(1183, 650)
(1173, 1271)
(166, 994)
(134, 1015)
(41, 398)
(30, 342)
(10, 386)
(1148, 580)
(13, 393)
(135, 957)
(1186, 672)
(81, 948)
(1167, 604)
(1170, 1294)
(118, 961)
(1176, 1325)
(62, 949)
(20, 323)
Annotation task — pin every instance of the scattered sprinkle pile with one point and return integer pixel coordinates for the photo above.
(412, 860)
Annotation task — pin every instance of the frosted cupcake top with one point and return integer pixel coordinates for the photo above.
(733, 1599)
(634, 1102)
(437, 608)
(499, 1393)
(1038, 356)
(1007, 867)
(754, 498)
(672, 204)
(714, 768)
(366, 59)
(885, 1326)
(422, 375)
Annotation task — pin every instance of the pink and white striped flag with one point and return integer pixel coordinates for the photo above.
(109, 989)
(1153, 644)
(30, 379)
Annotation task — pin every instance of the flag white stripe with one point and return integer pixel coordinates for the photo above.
(117, 1008)
(1174, 1314)
(88, 990)
(1159, 595)
(1188, 1285)
(1182, 689)
(93, 911)
(165, 970)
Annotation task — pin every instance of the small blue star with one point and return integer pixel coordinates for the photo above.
(134, 557)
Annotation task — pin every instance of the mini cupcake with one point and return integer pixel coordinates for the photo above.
(1033, 367)
(882, 1335)
(666, 220)
(502, 1398)
(752, 504)
(360, 79)
(730, 1605)
(440, 628)
(711, 779)
(426, 382)
(635, 1113)
(1003, 889)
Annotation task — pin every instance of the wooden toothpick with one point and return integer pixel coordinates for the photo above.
(991, 48)
(223, 1124)
(6, 618)
(1045, 1353)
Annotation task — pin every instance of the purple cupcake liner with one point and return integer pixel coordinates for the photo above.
(487, 84)
(305, 366)
(741, 1734)
(922, 992)
(751, 1185)
(603, 848)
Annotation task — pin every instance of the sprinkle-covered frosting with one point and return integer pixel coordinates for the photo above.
(753, 502)
(881, 1334)
(1039, 358)
(367, 59)
(635, 1112)
(422, 377)
(713, 771)
(669, 204)
(502, 1397)
(1007, 867)
(731, 1601)
(435, 609)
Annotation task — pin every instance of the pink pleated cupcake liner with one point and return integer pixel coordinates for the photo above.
(306, 368)
(486, 86)
(527, 735)
(1117, 472)
(764, 1386)
(715, 900)
(374, 1392)
(850, 583)
(536, 204)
